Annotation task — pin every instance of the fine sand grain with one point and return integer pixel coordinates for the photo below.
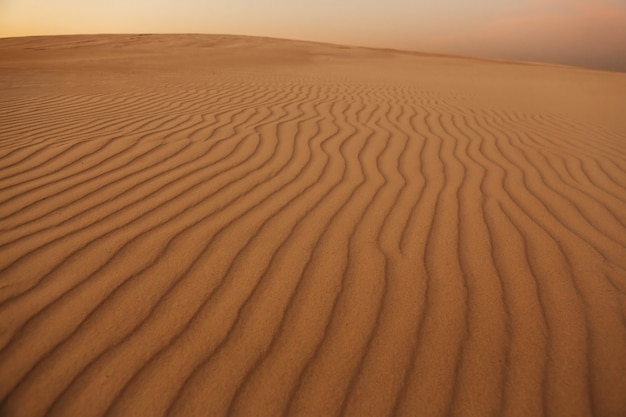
(219, 225)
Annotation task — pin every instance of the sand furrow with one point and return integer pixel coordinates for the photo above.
(150, 110)
(146, 328)
(485, 288)
(580, 131)
(127, 185)
(293, 310)
(563, 138)
(534, 185)
(582, 160)
(121, 228)
(597, 215)
(151, 324)
(195, 184)
(97, 169)
(572, 172)
(126, 251)
(66, 132)
(281, 228)
(432, 354)
(395, 319)
(123, 296)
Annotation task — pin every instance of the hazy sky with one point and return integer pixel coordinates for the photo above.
(584, 32)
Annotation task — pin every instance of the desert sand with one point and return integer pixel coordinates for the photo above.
(195, 225)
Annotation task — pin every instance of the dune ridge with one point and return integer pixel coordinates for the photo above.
(216, 225)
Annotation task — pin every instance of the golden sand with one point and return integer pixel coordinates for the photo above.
(218, 225)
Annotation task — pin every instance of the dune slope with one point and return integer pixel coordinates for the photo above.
(218, 225)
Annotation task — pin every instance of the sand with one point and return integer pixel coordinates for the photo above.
(220, 225)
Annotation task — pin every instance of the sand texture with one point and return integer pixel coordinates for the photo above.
(231, 226)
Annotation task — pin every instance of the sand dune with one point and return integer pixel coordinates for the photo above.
(220, 225)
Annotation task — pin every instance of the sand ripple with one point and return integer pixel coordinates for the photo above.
(290, 241)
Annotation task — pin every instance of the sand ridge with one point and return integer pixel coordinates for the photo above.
(220, 225)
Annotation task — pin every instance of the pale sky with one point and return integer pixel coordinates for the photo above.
(581, 32)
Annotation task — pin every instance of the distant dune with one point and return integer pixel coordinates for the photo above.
(195, 225)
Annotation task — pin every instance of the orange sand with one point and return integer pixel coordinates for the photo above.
(218, 225)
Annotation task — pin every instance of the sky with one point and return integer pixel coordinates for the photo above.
(589, 33)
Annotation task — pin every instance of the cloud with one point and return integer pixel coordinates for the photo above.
(591, 33)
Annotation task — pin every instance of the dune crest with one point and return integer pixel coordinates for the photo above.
(220, 225)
